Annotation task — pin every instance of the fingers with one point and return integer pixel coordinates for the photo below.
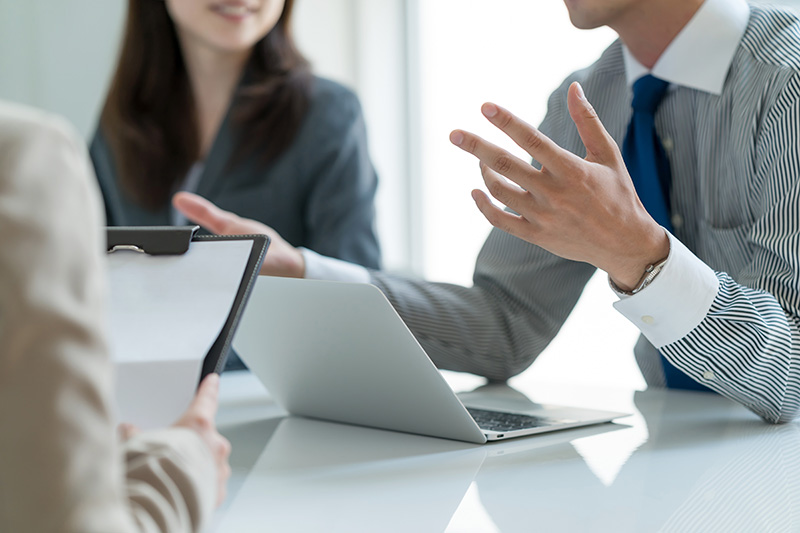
(496, 158)
(127, 431)
(202, 212)
(199, 417)
(283, 258)
(206, 401)
(538, 145)
(600, 147)
(222, 453)
(507, 193)
(222, 490)
(500, 219)
(203, 409)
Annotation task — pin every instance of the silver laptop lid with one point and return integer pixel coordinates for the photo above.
(339, 351)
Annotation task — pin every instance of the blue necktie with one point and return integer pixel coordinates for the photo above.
(649, 169)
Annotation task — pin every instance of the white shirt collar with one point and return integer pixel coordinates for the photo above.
(700, 55)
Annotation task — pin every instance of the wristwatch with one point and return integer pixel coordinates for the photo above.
(649, 275)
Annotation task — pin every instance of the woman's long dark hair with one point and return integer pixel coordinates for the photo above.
(149, 117)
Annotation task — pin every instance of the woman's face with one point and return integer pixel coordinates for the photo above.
(224, 25)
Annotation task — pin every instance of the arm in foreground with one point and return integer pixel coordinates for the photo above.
(60, 469)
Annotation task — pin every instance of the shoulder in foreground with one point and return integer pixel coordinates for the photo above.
(42, 157)
(773, 36)
(22, 125)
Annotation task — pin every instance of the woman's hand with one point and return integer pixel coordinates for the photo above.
(199, 417)
(282, 259)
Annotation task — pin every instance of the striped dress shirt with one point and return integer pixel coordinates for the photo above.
(735, 160)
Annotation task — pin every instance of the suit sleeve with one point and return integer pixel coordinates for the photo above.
(60, 466)
(520, 298)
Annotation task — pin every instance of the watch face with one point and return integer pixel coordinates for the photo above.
(650, 274)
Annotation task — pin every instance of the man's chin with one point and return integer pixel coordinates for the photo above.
(582, 22)
(585, 15)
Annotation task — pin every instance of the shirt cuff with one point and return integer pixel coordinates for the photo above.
(331, 269)
(676, 301)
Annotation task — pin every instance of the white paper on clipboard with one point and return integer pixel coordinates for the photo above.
(166, 311)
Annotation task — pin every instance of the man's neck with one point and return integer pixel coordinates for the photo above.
(648, 29)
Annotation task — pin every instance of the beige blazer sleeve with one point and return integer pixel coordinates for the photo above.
(60, 466)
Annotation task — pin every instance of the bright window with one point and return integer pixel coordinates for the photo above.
(514, 53)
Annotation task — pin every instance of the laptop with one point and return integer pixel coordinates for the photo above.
(340, 352)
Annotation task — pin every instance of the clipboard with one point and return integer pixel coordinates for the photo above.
(176, 300)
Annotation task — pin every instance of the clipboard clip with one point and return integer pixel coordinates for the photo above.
(150, 240)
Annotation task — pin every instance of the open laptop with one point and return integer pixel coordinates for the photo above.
(339, 351)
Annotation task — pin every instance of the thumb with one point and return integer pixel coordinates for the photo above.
(600, 147)
(206, 400)
(201, 211)
(127, 431)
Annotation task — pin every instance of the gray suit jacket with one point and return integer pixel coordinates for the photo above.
(60, 467)
(317, 194)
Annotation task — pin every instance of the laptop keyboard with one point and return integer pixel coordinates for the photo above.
(499, 421)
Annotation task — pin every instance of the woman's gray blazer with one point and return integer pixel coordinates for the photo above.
(319, 193)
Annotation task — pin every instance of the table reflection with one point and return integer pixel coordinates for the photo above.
(706, 464)
(683, 462)
(322, 476)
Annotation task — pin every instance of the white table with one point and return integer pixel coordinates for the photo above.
(684, 462)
